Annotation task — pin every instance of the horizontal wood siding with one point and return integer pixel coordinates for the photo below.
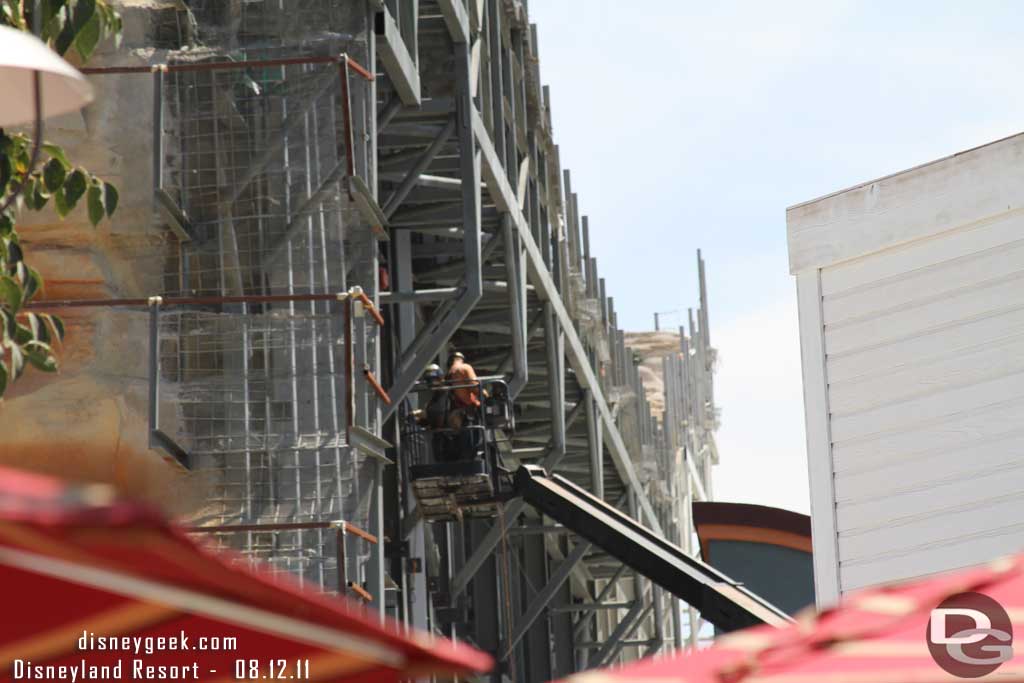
(924, 347)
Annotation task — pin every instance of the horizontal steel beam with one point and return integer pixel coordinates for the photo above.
(590, 607)
(420, 295)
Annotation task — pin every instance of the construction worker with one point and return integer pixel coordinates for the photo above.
(461, 372)
(436, 412)
(438, 415)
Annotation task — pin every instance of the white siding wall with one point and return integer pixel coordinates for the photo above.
(924, 366)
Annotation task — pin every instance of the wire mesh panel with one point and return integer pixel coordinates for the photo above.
(256, 400)
(309, 553)
(256, 166)
(261, 123)
(236, 24)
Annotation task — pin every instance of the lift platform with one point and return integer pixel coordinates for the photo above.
(454, 490)
(462, 477)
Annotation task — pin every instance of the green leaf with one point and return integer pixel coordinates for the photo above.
(56, 324)
(110, 198)
(60, 203)
(6, 226)
(51, 8)
(10, 293)
(22, 334)
(65, 38)
(74, 187)
(95, 201)
(41, 356)
(89, 37)
(17, 361)
(12, 325)
(85, 10)
(6, 171)
(3, 377)
(36, 195)
(14, 252)
(54, 16)
(54, 174)
(33, 282)
(57, 152)
(38, 328)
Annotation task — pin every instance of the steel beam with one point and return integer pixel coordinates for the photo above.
(581, 623)
(503, 196)
(456, 18)
(544, 595)
(512, 510)
(589, 607)
(517, 309)
(722, 601)
(409, 182)
(620, 631)
(444, 324)
(399, 64)
(610, 653)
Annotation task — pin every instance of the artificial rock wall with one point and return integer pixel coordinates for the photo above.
(89, 421)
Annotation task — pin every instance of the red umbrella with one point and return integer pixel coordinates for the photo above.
(89, 581)
(945, 628)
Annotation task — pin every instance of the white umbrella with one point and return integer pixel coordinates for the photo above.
(62, 88)
(36, 84)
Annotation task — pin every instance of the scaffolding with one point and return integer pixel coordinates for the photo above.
(346, 192)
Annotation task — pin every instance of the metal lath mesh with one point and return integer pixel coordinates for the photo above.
(257, 401)
(254, 166)
(310, 553)
(238, 376)
(249, 23)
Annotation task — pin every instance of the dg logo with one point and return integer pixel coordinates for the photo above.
(970, 635)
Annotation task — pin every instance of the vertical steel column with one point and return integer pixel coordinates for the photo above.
(311, 149)
(417, 599)
(154, 369)
(365, 403)
(555, 378)
(339, 540)
(514, 279)
(158, 128)
(442, 325)
(595, 434)
(534, 651)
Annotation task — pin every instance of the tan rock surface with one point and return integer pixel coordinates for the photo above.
(652, 347)
(89, 421)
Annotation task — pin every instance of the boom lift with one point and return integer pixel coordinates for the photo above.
(474, 483)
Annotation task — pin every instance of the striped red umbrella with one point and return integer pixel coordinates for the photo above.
(944, 628)
(98, 587)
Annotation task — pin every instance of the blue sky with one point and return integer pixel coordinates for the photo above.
(689, 125)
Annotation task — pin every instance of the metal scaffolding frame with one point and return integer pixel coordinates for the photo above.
(400, 153)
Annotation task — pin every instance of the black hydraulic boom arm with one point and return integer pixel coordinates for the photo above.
(719, 599)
